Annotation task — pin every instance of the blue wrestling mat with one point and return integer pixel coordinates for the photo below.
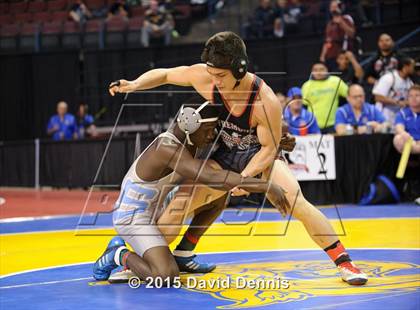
(46, 266)
(314, 284)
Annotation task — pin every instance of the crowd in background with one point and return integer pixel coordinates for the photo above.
(385, 98)
(270, 19)
(158, 20)
(66, 126)
(340, 95)
(281, 17)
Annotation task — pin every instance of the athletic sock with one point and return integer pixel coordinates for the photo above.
(124, 259)
(337, 253)
(187, 243)
(121, 256)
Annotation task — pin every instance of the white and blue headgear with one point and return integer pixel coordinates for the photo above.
(189, 120)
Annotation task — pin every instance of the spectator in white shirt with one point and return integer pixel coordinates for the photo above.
(391, 91)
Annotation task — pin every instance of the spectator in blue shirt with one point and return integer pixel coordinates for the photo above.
(299, 120)
(358, 113)
(407, 122)
(62, 126)
(85, 123)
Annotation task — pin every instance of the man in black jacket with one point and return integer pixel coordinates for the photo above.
(385, 60)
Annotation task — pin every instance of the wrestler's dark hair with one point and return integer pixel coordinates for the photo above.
(209, 111)
(223, 48)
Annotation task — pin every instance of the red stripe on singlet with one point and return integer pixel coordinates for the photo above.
(255, 98)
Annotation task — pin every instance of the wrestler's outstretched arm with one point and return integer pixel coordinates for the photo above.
(181, 76)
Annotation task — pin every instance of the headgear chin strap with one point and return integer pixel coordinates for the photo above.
(189, 120)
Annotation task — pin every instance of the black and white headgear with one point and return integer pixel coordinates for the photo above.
(189, 120)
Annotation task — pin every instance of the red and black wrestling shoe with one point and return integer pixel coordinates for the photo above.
(351, 274)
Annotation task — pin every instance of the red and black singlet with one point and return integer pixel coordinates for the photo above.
(235, 130)
(238, 141)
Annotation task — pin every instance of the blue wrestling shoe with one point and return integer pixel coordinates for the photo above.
(190, 265)
(109, 260)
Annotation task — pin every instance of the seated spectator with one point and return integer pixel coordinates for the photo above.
(118, 9)
(85, 123)
(290, 13)
(158, 23)
(363, 117)
(286, 16)
(386, 59)
(278, 28)
(261, 23)
(63, 125)
(280, 9)
(351, 70)
(79, 12)
(321, 93)
(339, 35)
(294, 13)
(300, 121)
(407, 122)
(391, 91)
